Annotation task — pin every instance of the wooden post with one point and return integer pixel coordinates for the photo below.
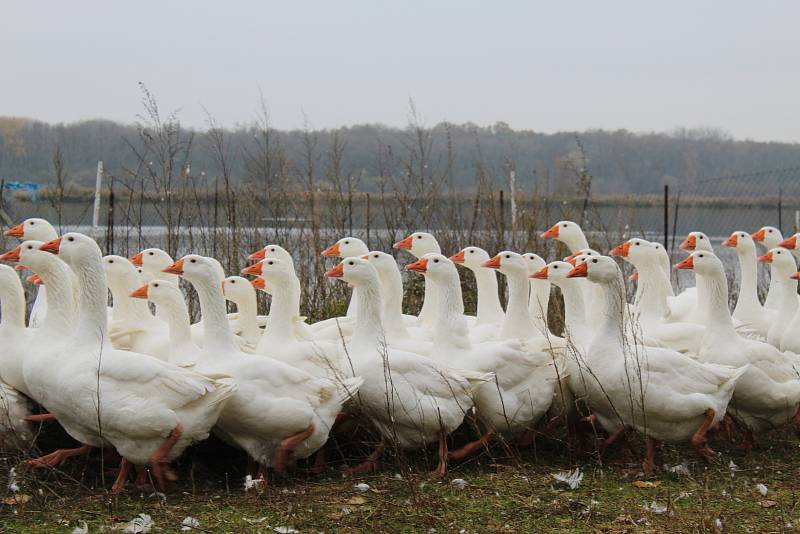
(502, 221)
(780, 209)
(368, 215)
(666, 217)
(97, 193)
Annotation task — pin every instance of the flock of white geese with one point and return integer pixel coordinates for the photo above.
(138, 378)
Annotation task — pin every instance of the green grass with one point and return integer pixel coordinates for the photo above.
(516, 494)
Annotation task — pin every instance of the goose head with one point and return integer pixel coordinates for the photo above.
(152, 260)
(597, 269)
(768, 236)
(564, 231)
(434, 266)
(584, 252)
(159, 292)
(237, 289)
(354, 271)
(555, 272)
(274, 272)
(120, 270)
(470, 257)
(419, 244)
(28, 254)
(197, 270)
(702, 262)
(346, 247)
(76, 249)
(534, 263)
(781, 260)
(696, 241)
(741, 241)
(384, 263)
(272, 251)
(33, 229)
(508, 263)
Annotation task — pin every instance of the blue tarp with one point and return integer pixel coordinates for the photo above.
(31, 187)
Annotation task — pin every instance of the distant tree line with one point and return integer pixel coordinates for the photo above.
(361, 157)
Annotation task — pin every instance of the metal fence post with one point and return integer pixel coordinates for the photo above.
(666, 217)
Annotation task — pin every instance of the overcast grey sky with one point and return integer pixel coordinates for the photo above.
(548, 66)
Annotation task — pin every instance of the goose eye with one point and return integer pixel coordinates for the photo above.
(700, 256)
(435, 261)
(637, 243)
(193, 261)
(702, 237)
(375, 256)
(150, 254)
(769, 231)
(110, 261)
(32, 223)
(272, 249)
(472, 252)
(419, 237)
(594, 261)
(70, 239)
(555, 266)
(30, 247)
(350, 263)
(271, 263)
(564, 225)
(508, 256)
(155, 285)
(347, 242)
(233, 281)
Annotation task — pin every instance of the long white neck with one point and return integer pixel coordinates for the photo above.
(574, 309)
(247, 308)
(575, 243)
(175, 313)
(428, 312)
(125, 307)
(773, 300)
(217, 335)
(539, 302)
(392, 291)
(92, 298)
(368, 332)
(279, 329)
(61, 305)
(611, 330)
(719, 325)
(517, 322)
(451, 326)
(12, 305)
(489, 308)
(748, 307)
(651, 291)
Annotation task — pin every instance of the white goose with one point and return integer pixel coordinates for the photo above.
(669, 397)
(539, 299)
(770, 237)
(279, 410)
(427, 399)
(784, 288)
(525, 380)
(790, 243)
(568, 233)
(748, 310)
(152, 262)
(15, 338)
(149, 410)
(418, 244)
(245, 326)
(768, 394)
(344, 248)
(490, 311)
(38, 230)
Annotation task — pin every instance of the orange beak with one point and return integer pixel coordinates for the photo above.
(52, 246)
(405, 244)
(552, 233)
(795, 276)
(11, 255)
(689, 244)
(790, 243)
(332, 251)
(766, 258)
(541, 274)
(572, 259)
(259, 254)
(733, 241)
(140, 293)
(634, 277)
(175, 268)
(688, 263)
(458, 257)
(259, 283)
(493, 263)
(419, 266)
(336, 272)
(580, 271)
(621, 250)
(20, 267)
(256, 269)
(34, 279)
(759, 236)
(17, 231)
(137, 259)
